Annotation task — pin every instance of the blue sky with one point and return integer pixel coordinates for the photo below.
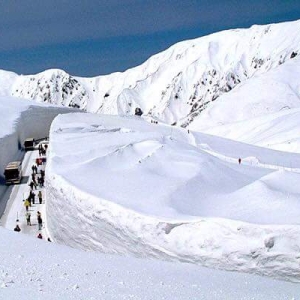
(89, 38)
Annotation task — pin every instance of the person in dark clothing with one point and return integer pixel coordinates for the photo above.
(40, 195)
(39, 181)
(17, 228)
(240, 160)
(42, 181)
(49, 240)
(33, 197)
(40, 222)
(40, 236)
(31, 184)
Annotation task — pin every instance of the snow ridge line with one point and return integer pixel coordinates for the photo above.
(249, 162)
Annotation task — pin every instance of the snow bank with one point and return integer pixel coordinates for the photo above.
(120, 185)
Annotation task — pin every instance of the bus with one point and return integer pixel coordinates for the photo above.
(13, 172)
(29, 144)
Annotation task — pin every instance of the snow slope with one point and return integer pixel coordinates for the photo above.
(277, 93)
(129, 186)
(180, 83)
(34, 269)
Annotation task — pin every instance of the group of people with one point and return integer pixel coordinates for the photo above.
(37, 178)
(42, 149)
(39, 219)
(31, 199)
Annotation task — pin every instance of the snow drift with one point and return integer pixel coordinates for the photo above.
(129, 186)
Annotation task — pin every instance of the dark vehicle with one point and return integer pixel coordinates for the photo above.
(13, 172)
(138, 112)
(29, 144)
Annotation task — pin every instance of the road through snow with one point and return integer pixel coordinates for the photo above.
(15, 210)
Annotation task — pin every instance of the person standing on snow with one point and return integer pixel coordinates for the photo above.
(27, 216)
(40, 222)
(32, 197)
(26, 204)
(31, 184)
(40, 236)
(40, 195)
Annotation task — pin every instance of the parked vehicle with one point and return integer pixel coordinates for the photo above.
(29, 144)
(138, 112)
(13, 172)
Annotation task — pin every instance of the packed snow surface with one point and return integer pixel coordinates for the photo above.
(128, 186)
(36, 269)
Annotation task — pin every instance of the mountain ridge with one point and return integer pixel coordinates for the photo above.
(173, 86)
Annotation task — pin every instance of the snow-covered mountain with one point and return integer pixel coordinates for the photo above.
(177, 85)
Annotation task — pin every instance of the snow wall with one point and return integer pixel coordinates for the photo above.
(81, 220)
(34, 122)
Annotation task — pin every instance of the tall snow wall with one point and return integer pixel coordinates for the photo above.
(79, 219)
(34, 122)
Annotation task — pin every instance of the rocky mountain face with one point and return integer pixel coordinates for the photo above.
(176, 85)
(52, 86)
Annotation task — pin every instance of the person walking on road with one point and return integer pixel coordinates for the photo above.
(33, 197)
(27, 216)
(26, 204)
(42, 181)
(31, 184)
(40, 195)
(40, 221)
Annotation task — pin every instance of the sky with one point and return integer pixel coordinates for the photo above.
(89, 38)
